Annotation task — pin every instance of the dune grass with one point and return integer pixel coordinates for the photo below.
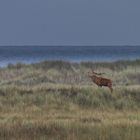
(57, 101)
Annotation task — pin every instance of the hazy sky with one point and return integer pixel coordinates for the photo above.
(69, 22)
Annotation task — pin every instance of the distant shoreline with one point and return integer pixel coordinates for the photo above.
(75, 54)
(81, 62)
(73, 62)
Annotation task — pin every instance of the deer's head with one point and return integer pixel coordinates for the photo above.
(91, 74)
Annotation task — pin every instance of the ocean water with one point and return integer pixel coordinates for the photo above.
(33, 54)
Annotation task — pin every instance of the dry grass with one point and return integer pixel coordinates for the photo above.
(57, 101)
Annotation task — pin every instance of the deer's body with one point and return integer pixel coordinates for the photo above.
(100, 81)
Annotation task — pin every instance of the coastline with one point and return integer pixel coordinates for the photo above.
(36, 54)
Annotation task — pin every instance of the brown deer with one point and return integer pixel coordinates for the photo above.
(100, 81)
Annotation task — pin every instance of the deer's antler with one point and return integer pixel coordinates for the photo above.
(97, 73)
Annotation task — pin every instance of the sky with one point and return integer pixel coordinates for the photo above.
(69, 22)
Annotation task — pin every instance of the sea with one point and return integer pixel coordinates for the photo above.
(34, 54)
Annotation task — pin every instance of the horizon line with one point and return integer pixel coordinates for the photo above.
(68, 45)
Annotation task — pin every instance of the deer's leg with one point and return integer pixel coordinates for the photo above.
(99, 86)
(111, 89)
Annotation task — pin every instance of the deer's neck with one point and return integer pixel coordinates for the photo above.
(94, 78)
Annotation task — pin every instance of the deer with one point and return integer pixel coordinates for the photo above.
(100, 81)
